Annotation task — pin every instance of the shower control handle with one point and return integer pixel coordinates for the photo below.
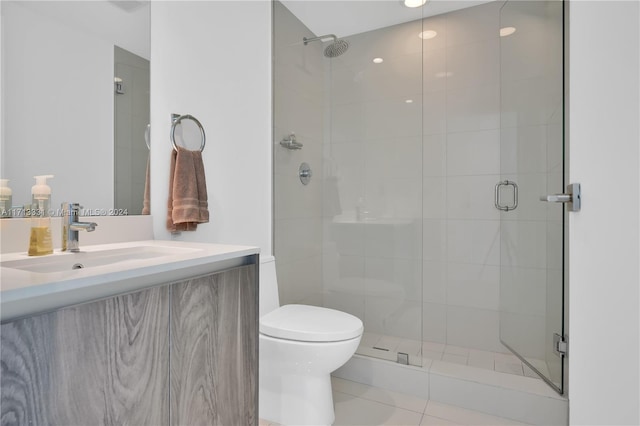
(304, 173)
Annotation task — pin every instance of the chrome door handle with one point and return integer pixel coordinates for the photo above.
(497, 196)
(556, 198)
(573, 198)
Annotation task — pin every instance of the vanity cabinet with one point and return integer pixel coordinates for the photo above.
(178, 354)
(214, 350)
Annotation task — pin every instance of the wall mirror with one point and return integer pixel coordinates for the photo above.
(75, 101)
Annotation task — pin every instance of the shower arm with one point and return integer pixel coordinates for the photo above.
(308, 40)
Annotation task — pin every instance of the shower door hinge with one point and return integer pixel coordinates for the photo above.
(560, 345)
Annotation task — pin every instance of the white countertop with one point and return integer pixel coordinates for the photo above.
(24, 292)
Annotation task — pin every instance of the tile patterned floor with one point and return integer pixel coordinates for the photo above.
(387, 347)
(358, 404)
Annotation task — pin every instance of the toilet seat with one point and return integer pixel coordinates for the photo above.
(310, 324)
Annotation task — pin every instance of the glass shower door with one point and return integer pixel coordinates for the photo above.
(531, 162)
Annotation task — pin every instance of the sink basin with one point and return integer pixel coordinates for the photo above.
(90, 259)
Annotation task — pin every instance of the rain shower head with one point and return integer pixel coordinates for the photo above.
(337, 48)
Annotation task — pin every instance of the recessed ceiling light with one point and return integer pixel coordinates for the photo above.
(507, 31)
(378, 60)
(409, 101)
(414, 3)
(426, 35)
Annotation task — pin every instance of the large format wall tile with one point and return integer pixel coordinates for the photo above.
(299, 107)
(473, 153)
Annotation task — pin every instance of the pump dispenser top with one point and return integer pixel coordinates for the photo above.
(41, 195)
(41, 191)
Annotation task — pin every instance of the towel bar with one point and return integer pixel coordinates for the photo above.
(176, 119)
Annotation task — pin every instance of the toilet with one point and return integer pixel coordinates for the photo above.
(300, 346)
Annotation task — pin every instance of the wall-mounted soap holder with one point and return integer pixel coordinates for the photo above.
(290, 142)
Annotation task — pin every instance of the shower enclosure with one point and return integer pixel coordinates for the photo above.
(398, 152)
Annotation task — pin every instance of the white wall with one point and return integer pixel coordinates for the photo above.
(2, 97)
(604, 249)
(212, 60)
(47, 129)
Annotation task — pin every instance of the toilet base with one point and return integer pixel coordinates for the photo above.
(295, 400)
(295, 379)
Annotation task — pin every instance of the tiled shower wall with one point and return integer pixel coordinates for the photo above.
(298, 85)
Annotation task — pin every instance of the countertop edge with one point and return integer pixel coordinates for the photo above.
(16, 303)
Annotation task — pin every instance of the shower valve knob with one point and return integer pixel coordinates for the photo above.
(304, 172)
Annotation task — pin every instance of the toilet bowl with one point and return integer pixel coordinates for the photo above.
(300, 346)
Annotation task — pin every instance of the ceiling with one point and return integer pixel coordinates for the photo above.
(126, 24)
(348, 17)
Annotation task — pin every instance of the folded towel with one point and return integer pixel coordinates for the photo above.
(146, 205)
(187, 205)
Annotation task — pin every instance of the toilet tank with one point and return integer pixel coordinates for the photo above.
(269, 299)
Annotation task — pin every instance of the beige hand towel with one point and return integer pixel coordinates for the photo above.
(187, 205)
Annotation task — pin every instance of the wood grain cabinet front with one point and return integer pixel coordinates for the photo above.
(178, 354)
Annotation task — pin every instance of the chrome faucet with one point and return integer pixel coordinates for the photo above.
(71, 226)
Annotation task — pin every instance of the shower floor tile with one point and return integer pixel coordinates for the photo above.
(387, 347)
(455, 359)
(510, 367)
(410, 347)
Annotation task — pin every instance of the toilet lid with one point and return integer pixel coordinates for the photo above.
(310, 324)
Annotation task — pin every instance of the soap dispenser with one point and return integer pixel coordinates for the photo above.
(5, 198)
(40, 242)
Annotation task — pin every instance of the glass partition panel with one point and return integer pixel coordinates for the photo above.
(350, 237)
(372, 223)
